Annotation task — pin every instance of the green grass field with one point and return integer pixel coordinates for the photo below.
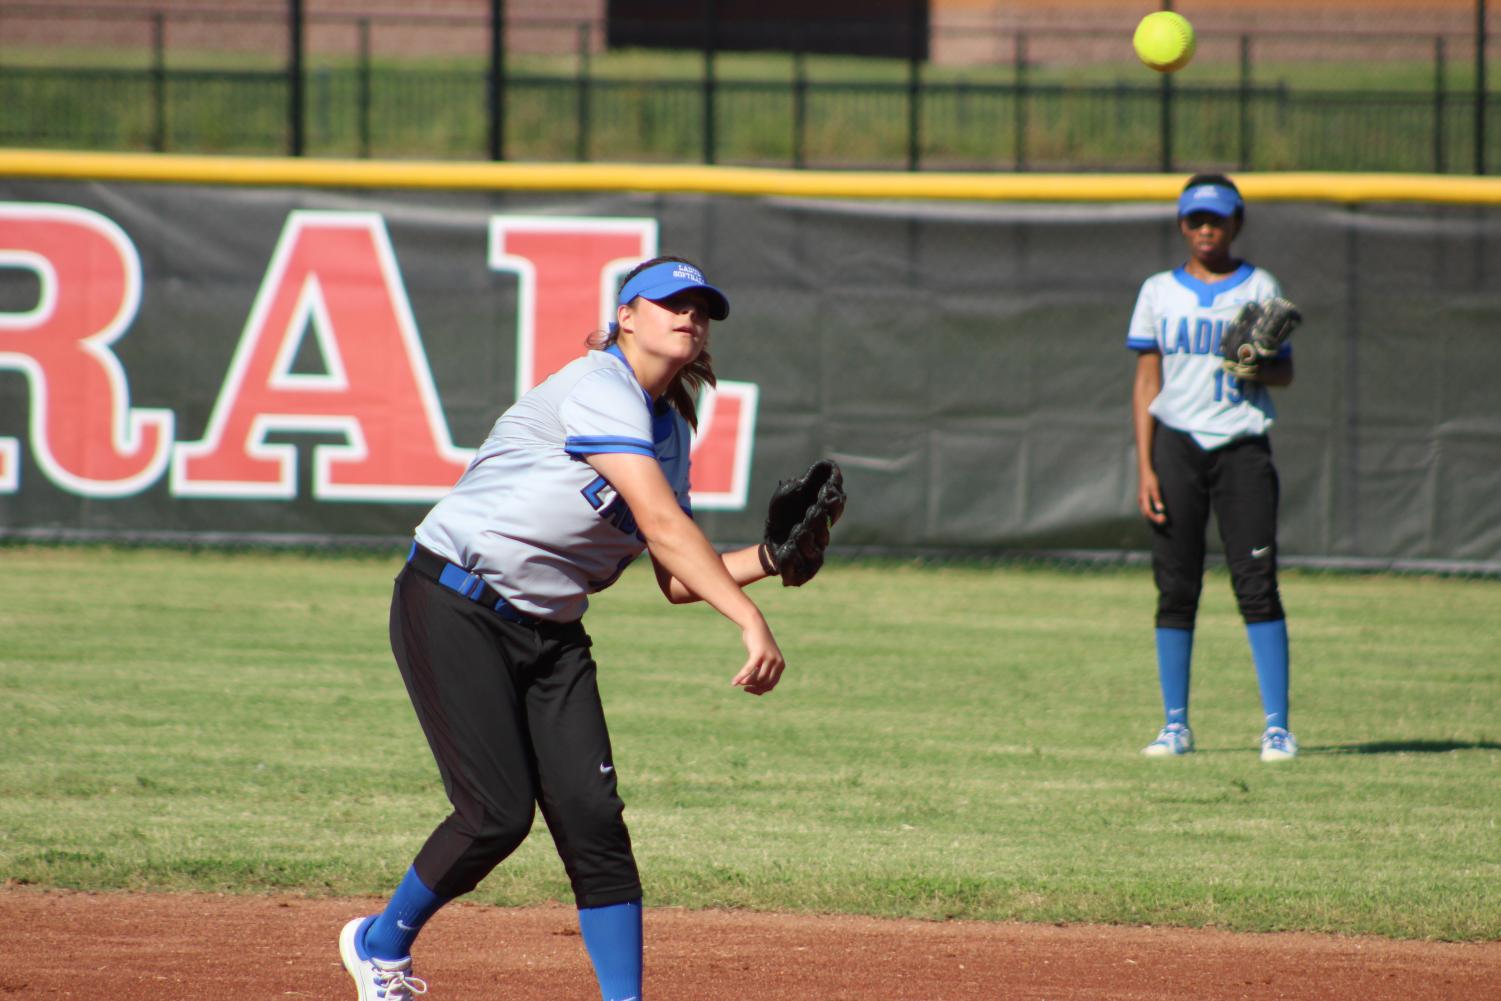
(949, 741)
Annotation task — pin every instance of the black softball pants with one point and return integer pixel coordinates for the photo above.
(1239, 484)
(513, 716)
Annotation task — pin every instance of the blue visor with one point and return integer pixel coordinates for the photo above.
(662, 281)
(1213, 198)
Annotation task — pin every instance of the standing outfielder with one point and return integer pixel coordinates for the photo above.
(1210, 337)
(574, 481)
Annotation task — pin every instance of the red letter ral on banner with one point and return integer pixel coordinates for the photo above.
(334, 275)
(85, 435)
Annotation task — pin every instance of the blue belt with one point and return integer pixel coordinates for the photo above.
(466, 584)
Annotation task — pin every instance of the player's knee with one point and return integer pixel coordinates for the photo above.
(1260, 606)
(599, 860)
(467, 846)
(1177, 608)
(494, 835)
(1256, 595)
(586, 813)
(504, 835)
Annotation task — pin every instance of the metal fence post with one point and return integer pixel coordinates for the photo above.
(158, 81)
(1019, 119)
(1245, 102)
(914, 84)
(497, 79)
(1438, 104)
(799, 104)
(363, 98)
(711, 41)
(297, 126)
(1167, 113)
(1480, 86)
(585, 40)
(1167, 123)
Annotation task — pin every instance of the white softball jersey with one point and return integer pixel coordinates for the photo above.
(1183, 319)
(532, 517)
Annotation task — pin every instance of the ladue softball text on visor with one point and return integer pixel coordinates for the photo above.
(665, 280)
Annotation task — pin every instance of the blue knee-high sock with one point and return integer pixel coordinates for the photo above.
(395, 929)
(612, 934)
(1269, 653)
(1174, 659)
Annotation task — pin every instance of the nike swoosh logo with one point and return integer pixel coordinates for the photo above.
(404, 926)
(1259, 552)
(606, 769)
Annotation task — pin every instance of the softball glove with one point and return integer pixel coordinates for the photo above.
(798, 520)
(1258, 332)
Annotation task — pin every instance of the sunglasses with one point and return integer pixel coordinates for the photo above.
(1197, 219)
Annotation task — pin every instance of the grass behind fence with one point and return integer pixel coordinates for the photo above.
(635, 105)
(949, 741)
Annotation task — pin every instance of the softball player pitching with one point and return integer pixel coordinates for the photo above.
(576, 479)
(1201, 445)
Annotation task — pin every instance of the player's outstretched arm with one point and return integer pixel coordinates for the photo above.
(680, 547)
(743, 565)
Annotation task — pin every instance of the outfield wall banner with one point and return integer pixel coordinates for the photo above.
(203, 361)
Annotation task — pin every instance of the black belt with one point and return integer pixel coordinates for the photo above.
(466, 585)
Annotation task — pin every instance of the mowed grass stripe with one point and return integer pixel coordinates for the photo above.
(949, 741)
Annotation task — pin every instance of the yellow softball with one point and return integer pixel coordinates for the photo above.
(1164, 41)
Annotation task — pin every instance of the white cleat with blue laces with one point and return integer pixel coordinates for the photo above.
(1278, 745)
(377, 979)
(1174, 740)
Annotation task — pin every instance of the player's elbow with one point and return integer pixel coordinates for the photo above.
(676, 594)
(672, 589)
(675, 591)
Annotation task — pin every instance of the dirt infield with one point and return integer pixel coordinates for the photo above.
(175, 947)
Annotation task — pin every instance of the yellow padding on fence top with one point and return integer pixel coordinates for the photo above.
(331, 173)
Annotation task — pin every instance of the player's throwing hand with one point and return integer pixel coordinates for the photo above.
(764, 664)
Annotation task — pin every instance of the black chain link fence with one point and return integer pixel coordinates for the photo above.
(988, 95)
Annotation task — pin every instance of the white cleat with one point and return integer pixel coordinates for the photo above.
(1278, 745)
(1174, 740)
(377, 979)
